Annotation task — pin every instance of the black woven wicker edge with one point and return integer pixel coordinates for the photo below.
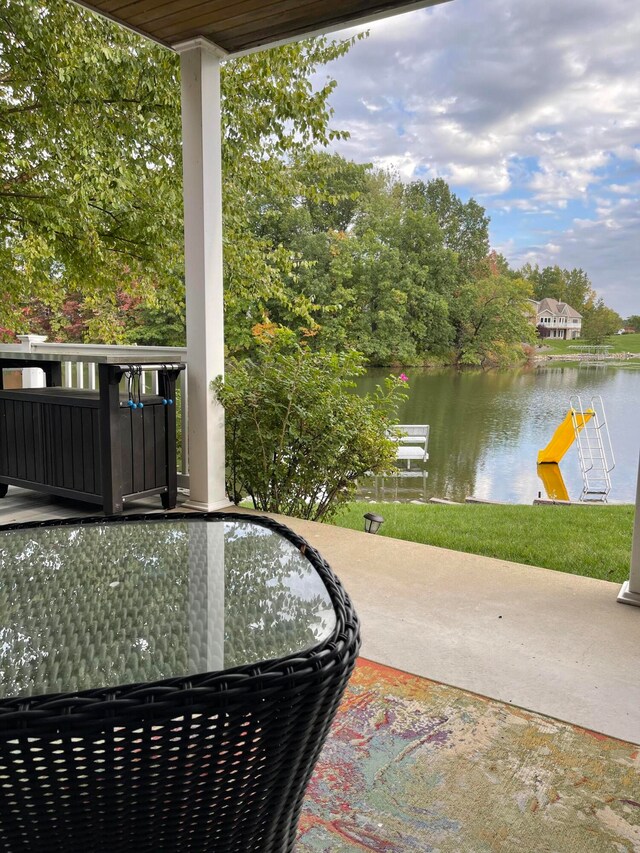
(72, 712)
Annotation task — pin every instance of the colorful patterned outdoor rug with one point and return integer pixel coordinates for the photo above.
(413, 765)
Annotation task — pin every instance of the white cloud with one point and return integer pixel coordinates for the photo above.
(625, 189)
(486, 179)
(606, 246)
(477, 85)
(537, 102)
(403, 164)
(373, 108)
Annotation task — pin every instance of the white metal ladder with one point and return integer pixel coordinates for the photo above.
(594, 447)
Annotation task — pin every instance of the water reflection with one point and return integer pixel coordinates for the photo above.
(487, 427)
(405, 485)
(554, 486)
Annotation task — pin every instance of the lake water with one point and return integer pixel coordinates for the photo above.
(487, 428)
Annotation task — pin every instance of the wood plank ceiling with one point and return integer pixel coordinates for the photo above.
(239, 26)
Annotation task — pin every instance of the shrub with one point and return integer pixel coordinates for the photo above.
(297, 436)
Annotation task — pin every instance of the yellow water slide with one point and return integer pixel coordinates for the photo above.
(564, 436)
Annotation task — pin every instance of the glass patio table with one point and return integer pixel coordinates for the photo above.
(166, 682)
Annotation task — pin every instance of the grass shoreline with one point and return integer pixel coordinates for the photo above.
(619, 343)
(592, 541)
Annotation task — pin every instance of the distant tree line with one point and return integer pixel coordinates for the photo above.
(633, 323)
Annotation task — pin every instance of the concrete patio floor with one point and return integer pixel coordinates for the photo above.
(546, 641)
(22, 505)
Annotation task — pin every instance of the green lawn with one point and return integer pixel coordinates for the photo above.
(619, 343)
(594, 541)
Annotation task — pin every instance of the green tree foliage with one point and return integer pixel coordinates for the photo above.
(384, 277)
(90, 173)
(570, 286)
(492, 317)
(297, 436)
(376, 270)
(88, 119)
(633, 322)
(464, 226)
(599, 322)
(272, 117)
(405, 276)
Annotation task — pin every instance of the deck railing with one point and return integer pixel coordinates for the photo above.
(77, 374)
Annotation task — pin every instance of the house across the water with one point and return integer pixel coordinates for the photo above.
(557, 319)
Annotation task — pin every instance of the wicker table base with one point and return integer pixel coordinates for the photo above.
(214, 762)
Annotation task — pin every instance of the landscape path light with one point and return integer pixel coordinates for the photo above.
(372, 522)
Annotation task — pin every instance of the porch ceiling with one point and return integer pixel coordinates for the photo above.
(241, 26)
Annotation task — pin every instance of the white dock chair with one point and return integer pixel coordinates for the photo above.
(413, 440)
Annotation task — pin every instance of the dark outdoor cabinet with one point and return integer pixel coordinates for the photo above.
(90, 445)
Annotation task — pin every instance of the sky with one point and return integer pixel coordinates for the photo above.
(532, 107)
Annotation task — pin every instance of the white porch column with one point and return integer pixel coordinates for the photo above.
(202, 172)
(630, 592)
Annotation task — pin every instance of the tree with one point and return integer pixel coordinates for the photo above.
(570, 286)
(83, 164)
(492, 317)
(90, 173)
(374, 268)
(464, 226)
(599, 322)
(268, 127)
(333, 189)
(633, 322)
